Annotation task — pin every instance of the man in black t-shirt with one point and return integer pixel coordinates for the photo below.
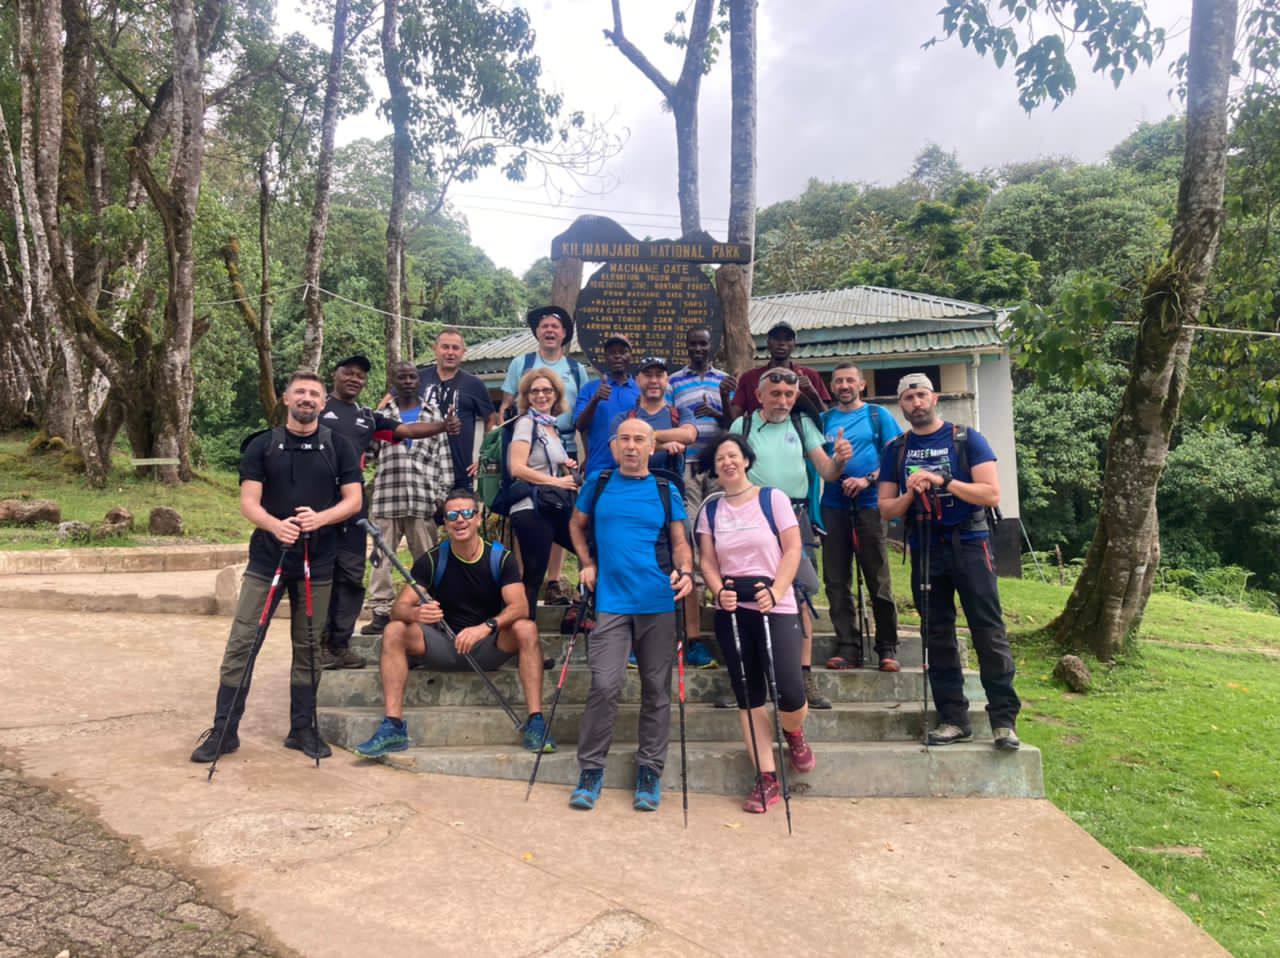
(298, 483)
(361, 426)
(477, 592)
(456, 392)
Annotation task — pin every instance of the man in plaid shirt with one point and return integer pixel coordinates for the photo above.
(412, 481)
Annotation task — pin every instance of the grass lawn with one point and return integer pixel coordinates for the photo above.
(208, 505)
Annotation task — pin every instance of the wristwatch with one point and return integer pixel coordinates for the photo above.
(946, 481)
(492, 624)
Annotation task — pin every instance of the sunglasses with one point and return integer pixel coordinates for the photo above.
(453, 515)
(781, 376)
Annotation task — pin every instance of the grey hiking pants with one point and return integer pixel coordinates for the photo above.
(253, 596)
(607, 650)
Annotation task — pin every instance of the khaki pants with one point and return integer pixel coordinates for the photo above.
(419, 534)
(306, 646)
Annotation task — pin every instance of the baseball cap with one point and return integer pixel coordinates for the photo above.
(782, 330)
(616, 338)
(359, 359)
(914, 381)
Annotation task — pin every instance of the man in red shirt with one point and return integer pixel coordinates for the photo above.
(781, 341)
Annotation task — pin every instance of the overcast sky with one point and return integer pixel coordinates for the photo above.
(846, 93)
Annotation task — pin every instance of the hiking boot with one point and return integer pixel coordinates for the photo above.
(802, 757)
(532, 731)
(699, 656)
(308, 741)
(815, 698)
(391, 736)
(375, 625)
(590, 781)
(889, 665)
(340, 659)
(207, 744)
(1006, 740)
(648, 789)
(848, 656)
(764, 794)
(948, 734)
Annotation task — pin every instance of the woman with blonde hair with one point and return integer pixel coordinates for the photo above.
(543, 487)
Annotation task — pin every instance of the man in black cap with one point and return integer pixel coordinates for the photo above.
(360, 426)
(781, 342)
(601, 402)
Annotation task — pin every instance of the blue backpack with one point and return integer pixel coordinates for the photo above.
(496, 556)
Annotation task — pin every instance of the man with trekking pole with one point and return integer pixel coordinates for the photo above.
(298, 483)
(944, 477)
(637, 580)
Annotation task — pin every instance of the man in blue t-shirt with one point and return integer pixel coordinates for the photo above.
(943, 479)
(600, 402)
(637, 580)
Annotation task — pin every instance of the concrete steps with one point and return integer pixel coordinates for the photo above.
(845, 769)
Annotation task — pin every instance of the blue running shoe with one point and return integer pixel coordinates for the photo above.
(534, 728)
(648, 789)
(392, 736)
(590, 781)
(631, 661)
(698, 656)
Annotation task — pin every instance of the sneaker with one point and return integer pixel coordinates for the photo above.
(726, 702)
(207, 745)
(1006, 740)
(648, 789)
(590, 781)
(532, 731)
(375, 625)
(889, 665)
(698, 656)
(631, 661)
(340, 659)
(802, 757)
(307, 741)
(815, 698)
(765, 793)
(391, 736)
(948, 734)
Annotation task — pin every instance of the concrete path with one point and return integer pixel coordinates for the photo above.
(358, 859)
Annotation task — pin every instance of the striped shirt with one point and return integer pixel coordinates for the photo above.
(691, 389)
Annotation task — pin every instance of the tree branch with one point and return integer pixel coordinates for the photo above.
(695, 52)
(121, 76)
(638, 59)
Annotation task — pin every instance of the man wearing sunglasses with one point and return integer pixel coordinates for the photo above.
(481, 598)
(781, 342)
(783, 443)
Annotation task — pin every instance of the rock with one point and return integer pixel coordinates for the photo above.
(165, 522)
(73, 531)
(29, 512)
(1073, 673)
(118, 522)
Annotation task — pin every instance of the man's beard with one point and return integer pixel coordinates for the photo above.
(305, 416)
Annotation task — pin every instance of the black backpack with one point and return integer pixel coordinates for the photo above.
(982, 520)
(664, 492)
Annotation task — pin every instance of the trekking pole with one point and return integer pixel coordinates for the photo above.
(311, 637)
(381, 544)
(259, 637)
(777, 720)
(579, 627)
(684, 753)
(751, 719)
(863, 624)
(923, 535)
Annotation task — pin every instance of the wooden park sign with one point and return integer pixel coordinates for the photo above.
(651, 291)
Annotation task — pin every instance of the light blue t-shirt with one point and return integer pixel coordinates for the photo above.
(634, 571)
(572, 385)
(623, 399)
(869, 428)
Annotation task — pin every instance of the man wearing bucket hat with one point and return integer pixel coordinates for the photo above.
(552, 327)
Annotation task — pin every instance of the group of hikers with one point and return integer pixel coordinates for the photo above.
(636, 473)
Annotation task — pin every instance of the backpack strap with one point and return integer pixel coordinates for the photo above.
(601, 481)
(664, 492)
(960, 436)
(441, 564)
(877, 426)
(529, 359)
(899, 443)
(323, 441)
(712, 506)
(497, 552)
(575, 367)
(766, 506)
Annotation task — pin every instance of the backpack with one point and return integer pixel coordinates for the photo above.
(492, 478)
(664, 493)
(496, 555)
(980, 521)
(275, 446)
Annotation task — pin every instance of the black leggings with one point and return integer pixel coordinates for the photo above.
(786, 636)
(536, 533)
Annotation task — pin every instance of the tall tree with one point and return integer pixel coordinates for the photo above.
(733, 282)
(1111, 593)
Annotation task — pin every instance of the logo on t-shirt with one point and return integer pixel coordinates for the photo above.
(330, 415)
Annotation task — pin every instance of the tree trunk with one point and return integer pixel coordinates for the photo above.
(401, 158)
(313, 334)
(565, 286)
(733, 282)
(685, 111)
(259, 330)
(1111, 594)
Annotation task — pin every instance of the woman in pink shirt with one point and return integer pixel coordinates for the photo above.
(750, 568)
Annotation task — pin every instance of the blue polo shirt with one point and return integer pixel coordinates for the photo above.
(634, 571)
(622, 400)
